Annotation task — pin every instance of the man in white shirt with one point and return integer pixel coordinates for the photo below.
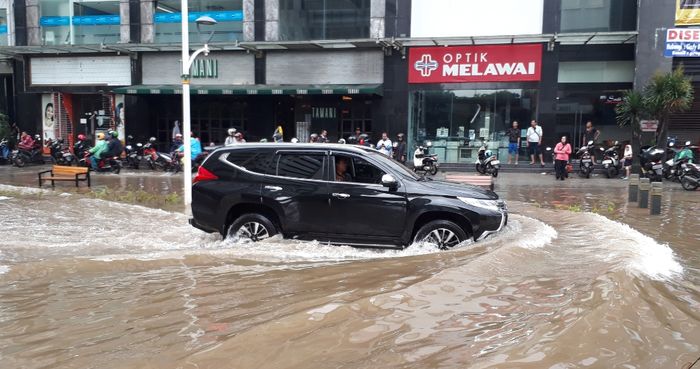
(384, 145)
(534, 140)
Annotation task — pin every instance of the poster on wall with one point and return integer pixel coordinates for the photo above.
(687, 12)
(48, 117)
(119, 121)
(682, 42)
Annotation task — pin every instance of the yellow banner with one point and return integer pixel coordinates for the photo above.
(687, 12)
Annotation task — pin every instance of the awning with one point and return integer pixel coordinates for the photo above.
(253, 90)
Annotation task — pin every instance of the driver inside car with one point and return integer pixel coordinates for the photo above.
(341, 170)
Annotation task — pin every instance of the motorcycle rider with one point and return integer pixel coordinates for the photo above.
(231, 138)
(97, 151)
(195, 147)
(114, 145)
(239, 138)
(686, 153)
(177, 142)
(26, 142)
(400, 151)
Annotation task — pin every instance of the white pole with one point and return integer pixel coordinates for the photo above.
(186, 124)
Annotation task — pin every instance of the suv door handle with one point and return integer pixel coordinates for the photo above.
(340, 195)
(273, 188)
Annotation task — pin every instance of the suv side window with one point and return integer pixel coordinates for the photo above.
(301, 165)
(261, 162)
(358, 170)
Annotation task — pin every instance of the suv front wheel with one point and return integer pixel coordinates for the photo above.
(251, 227)
(442, 233)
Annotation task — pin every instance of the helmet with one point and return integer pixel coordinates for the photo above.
(115, 134)
(488, 153)
(231, 131)
(263, 140)
(179, 135)
(109, 133)
(294, 140)
(152, 139)
(100, 136)
(687, 144)
(400, 135)
(81, 137)
(341, 141)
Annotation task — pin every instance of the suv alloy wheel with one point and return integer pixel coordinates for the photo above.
(252, 227)
(442, 233)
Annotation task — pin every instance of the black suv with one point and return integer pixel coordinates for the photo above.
(343, 194)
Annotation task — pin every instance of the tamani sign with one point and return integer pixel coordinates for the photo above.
(488, 63)
(682, 42)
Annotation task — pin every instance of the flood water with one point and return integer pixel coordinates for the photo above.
(88, 283)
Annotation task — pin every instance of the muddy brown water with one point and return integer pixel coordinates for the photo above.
(89, 283)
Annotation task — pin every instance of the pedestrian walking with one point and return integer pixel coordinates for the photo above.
(278, 136)
(534, 141)
(627, 160)
(384, 145)
(562, 152)
(513, 134)
(400, 149)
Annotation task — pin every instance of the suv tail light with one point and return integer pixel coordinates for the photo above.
(204, 175)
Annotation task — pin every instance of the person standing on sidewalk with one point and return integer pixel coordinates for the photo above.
(534, 140)
(400, 150)
(562, 152)
(513, 134)
(627, 160)
(385, 145)
(590, 134)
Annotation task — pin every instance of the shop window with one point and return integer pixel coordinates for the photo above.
(79, 22)
(596, 72)
(598, 15)
(227, 13)
(458, 122)
(323, 19)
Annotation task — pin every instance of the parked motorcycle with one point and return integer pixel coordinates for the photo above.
(60, 155)
(650, 158)
(611, 160)
(690, 180)
(673, 169)
(586, 161)
(133, 155)
(157, 160)
(81, 147)
(423, 162)
(486, 162)
(22, 157)
(5, 152)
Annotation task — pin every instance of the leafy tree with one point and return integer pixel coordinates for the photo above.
(630, 113)
(664, 95)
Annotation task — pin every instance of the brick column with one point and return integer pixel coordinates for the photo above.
(33, 29)
(148, 29)
(124, 27)
(377, 18)
(248, 20)
(272, 20)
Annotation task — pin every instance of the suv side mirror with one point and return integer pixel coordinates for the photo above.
(389, 181)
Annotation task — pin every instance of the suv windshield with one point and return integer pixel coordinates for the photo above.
(393, 164)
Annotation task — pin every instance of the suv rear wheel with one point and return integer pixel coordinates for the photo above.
(251, 227)
(443, 233)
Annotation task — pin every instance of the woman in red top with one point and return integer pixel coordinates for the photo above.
(562, 151)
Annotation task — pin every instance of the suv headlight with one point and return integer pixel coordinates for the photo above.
(492, 205)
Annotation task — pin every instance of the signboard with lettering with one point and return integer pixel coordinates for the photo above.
(487, 63)
(205, 68)
(649, 125)
(682, 42)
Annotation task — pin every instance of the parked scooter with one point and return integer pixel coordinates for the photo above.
(423, 162)
(155, 159)
(586, 161)
(611, 160)
(673, 169)
(690, 180)
(5, 152)
(80, 147)
(133, 154)
(486, 162)
(21, 157)
(60, 155)
(650, 158)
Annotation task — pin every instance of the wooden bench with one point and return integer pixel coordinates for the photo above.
(64, 173)
(482, 181)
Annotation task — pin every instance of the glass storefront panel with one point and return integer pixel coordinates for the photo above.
(79, 22)
(323, 19)
(459, 121)
(227, 13)
(598, 15)
(578, 105)
(3, 27)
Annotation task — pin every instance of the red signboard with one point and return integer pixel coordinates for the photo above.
(487, 63)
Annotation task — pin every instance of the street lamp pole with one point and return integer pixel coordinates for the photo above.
(187, 61)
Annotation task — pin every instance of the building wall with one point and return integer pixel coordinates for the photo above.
(234, 68)
(324, 67)
(654, 17)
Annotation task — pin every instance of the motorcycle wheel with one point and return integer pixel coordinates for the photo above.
(668, 174)
(151, 165)
(611, 172)
(480, 169)
(588, 173)
(495, 173)
(19, 161)
(688, 185)
(433, 170)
